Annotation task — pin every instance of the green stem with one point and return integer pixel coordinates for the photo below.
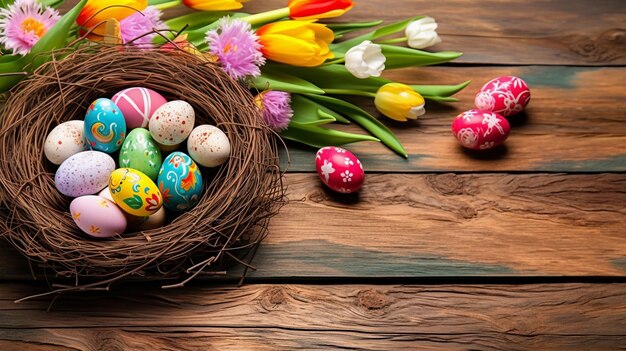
(266, 17)
(392, 41)
(168, 5)
(349, 92)
(331, 62)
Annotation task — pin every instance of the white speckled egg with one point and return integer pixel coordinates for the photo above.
(171, 123)
(65, 140)
(97, 216)
(85, 173)
(208, 146)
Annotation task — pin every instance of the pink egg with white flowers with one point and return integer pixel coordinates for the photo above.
(137, 105)
(506, 96)
(480, 130)
(339, 169)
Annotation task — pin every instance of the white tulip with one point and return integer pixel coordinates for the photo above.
(422, 33)
(365, 60)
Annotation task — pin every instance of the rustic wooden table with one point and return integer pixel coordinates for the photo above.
(522, 248)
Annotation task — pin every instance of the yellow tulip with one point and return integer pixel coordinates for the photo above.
(399, 102)
(214, 5)
(97, 12)
(298, 43)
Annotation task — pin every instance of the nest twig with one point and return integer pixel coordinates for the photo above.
(238, 199)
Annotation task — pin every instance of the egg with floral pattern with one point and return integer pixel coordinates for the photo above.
(180, 182)
(172, 123)
(339, 169)
(480, 130)
(137, 105)
(65, 140)
(84, 173)
(505, 96)
(134, 192)
(105, 127)
(97, 216)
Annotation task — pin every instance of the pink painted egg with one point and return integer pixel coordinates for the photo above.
(137, 105)
(506, 96)
(98, 216)
(339, 169)
(480, 130)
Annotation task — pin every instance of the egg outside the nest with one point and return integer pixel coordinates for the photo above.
(339, 169)
(506, 96)
(480, 130)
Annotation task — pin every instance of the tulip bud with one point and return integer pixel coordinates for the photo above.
(399, 102)
(421, 33)
(365, 60)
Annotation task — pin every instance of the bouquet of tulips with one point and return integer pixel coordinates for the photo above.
(297, 66)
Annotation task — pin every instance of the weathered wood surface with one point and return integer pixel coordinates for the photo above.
(290, 317)
(430, 225)
(561, 32)
(576, 122)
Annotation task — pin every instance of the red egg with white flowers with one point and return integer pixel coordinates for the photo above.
(480, 130)
(506, 96)
(339, 169)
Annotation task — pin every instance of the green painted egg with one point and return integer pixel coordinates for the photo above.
(141, 152)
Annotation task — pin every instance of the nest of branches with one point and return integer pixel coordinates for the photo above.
(238, 198)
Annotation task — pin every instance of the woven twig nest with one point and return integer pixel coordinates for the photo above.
(238, 198)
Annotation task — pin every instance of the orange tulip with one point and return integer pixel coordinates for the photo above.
(298, 43)
(214, 5)
(315, 9)
(97, 12)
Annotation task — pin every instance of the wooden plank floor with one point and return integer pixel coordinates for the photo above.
(516, 249)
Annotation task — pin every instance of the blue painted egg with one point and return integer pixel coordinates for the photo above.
(180, 182)
(105, 127)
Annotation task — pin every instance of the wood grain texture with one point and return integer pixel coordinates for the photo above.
(576, 122)
(432, 225)
(355, 317)
(562, 32)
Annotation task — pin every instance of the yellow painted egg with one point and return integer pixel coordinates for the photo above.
(134, 192)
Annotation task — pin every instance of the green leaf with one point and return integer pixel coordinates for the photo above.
(440, 98)
(440, 90)
(344, 28)
(195, 20)
(338, 118)
(399, 57)
(306, 112)
(364, 119)
(55, 38)
(134, 202)
(341, 48)
(319, 137)
(284, 82)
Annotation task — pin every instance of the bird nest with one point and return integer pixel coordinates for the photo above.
(227, 224)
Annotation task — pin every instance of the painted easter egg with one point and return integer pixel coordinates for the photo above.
(141, 152)
(208, 146)
(480, 130)
(339, 169)
(505, 96)
(137, 105)
(65, 140)
(180, 182)
(132, 221)
(134, 192)
(84, 173)
(105, 127)
(172, 123)
(97, 216)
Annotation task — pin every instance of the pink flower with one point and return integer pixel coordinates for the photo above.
(24, 23)
(276, 108)
(237, 48)
(134, 27)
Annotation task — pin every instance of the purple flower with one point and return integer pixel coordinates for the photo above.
(276, 108)
(24, 23)
(237, 48)
(140, 23)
